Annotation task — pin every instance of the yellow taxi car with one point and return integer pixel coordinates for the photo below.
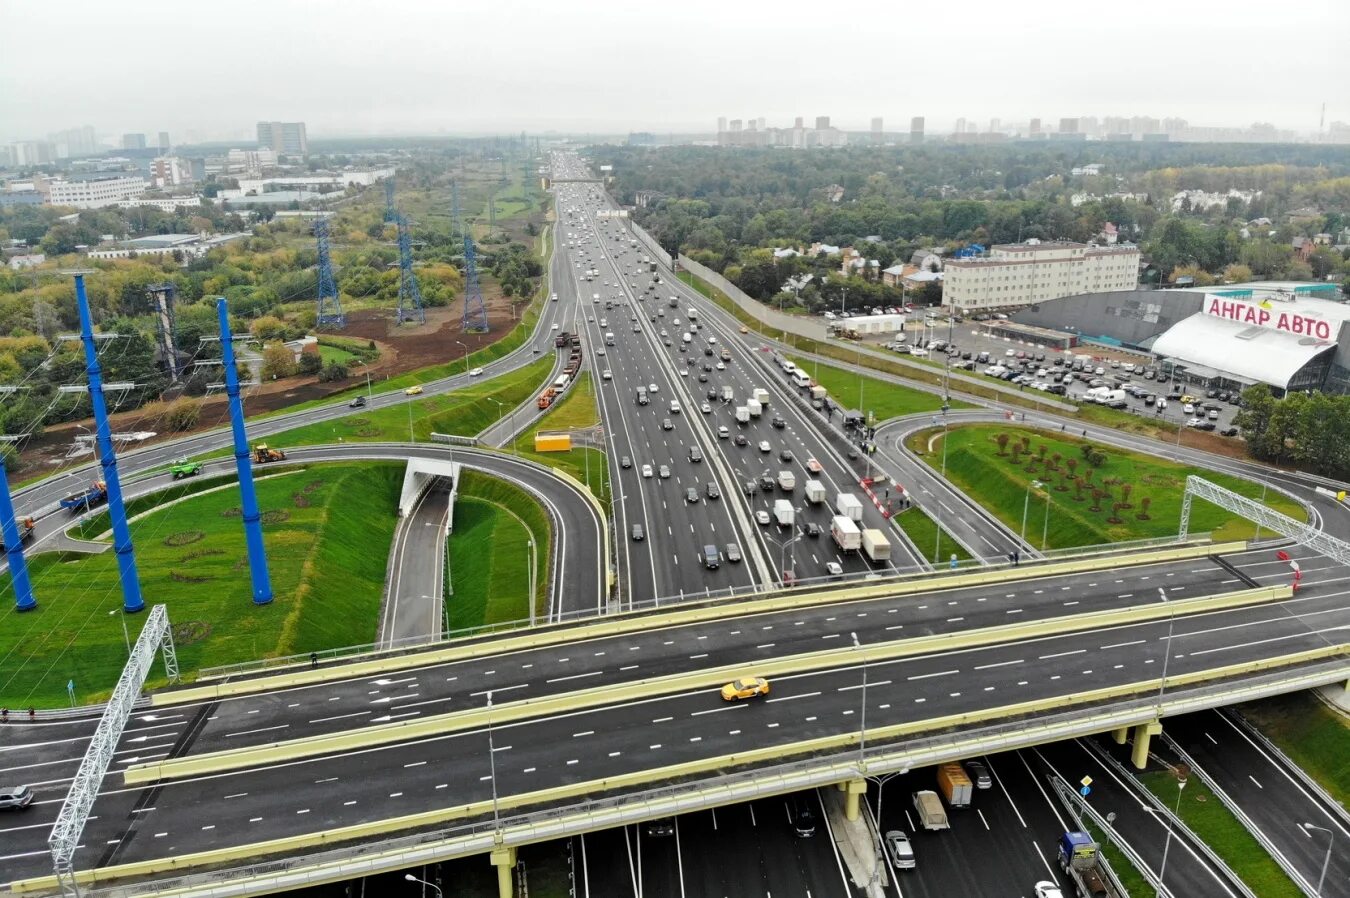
(744, 329)
(745, 687)
(414, 390)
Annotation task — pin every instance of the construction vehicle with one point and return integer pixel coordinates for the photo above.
(875, 545)
(563, 340)
(1081, 860)
(928, 806)
(546, 398)
(262, 454)
(184, 468)
(95, 494)
(25, 526)
(955, 785)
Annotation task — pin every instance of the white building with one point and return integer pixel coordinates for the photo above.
(94, 193)
(1021, 274)
(26, 260)
(168, 204)
(170, 171)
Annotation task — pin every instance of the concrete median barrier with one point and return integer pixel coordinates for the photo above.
(709, 678)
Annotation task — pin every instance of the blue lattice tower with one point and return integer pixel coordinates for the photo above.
(475, 313)
(330, 308)
(409, 294)
(390, 214)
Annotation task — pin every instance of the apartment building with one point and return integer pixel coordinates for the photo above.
(94, 193)
(1021, 274)
(286, 138)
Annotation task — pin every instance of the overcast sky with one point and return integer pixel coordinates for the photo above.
(210, 71)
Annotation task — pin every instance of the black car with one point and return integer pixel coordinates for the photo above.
(778, 422)
(703, 378)
(712, 393)
(785, 456)
(358, 402)
(813, 529)
(740, 440)
(1228, 432)
(691, 495)
(713, 491)
(766, 483)
(707, 350)
(638, 534)
(625, 463)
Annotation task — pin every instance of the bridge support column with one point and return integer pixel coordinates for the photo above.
(1142, 733)
(504, 859)
(853, 791)
(1121, 735)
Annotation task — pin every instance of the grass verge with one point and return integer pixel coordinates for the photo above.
(922, 530)
(327, 532)
(488, 556)
(1207, 817)
(882, 399)
(1314, 736)
(1066, 514)
(576, 411)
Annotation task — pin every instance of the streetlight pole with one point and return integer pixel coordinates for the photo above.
(492, 767)
(1026, 504)
(529, 561)
(125, 634)
(862, 722)
(1176, 815)
(1167, 650)
(1331, 839)
(411, 878)
(1045, 527)
(466, 354)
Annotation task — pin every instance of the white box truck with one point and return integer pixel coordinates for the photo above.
(609, 338)
(728, 394)
(756, 409)
(761, 395)
(815, 492)
(742, 415)
(848, 505)
(787, 481)
(875, 545)
(818, 393)
(845, 533)
(782, 512)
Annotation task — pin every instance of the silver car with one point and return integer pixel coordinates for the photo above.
(15, 797)
(899, 849)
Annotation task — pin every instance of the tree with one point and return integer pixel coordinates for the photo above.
(278, 361)
(1144, 503)
(268, 327)
(1002, 440)
(333, 371)
(1237, 273)
(182, 414)
(310, 363)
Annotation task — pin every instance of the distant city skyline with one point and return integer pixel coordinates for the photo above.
(596, 67)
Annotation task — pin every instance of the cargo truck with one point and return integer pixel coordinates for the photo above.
(728, 394)
(609, 338)
(818, 393)
(783, 513)
(787, 481)
(760, 395)
(95, 494)
(756, 408)
(25, 526)
(742, 414)
(845, 533)
(875, 545)
(1080, 859)
(955, 785)
(928, 806)
(848, 505)
(815, 492)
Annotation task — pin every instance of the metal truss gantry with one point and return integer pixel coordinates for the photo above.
(1267, 518)
(74, 813)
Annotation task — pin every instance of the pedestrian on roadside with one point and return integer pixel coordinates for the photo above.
(313, 659)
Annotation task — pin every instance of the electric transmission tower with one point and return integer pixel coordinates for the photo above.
(330, 308)
(409, 294)
(162, 297)
(390, 214)
(475, 313)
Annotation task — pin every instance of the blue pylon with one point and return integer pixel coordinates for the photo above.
(475, 313)
(330, 308)
(409, 294)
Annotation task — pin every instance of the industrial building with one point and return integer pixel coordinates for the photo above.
(1290, 336)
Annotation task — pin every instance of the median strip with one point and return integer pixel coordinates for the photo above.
(410, 730)
(619, 624)
(441, 816)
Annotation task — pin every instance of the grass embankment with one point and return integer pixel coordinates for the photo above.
(866, 394)
(1207, 817)
(1314, 736)
(1076, 518)
(465, 412)
(576, 411)
(922, 530)
(327, 531)
(488, 559)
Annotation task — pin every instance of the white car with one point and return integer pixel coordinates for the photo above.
(705, 408)
(555, 326)
(684, 372)
(712, 340)
(665, 472)
(652, 388)
(835, 569)
(1047, 889)
(723, 433)
(1188, 409)
(762, 517)
(606, 374)
(646, 470)
(764, 446)
(475, 372)
(721, 367)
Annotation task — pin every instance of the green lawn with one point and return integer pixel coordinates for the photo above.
(331, 354)
(1207, 817)
(974, 465)
(1311, 734)
(465, 411)
(327, 531)
(577, 410)
(489, 576)
(923, 532)
(881, 398)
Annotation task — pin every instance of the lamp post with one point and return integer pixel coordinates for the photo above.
(492, 767)
(125, 634)
(862, 722)
(411, 878)
(1331, 839)
(1026, 503)
(466, 354)
(1176, 814)
(530, 562)
(1045, 526)
(412, 437)
(1167, 649)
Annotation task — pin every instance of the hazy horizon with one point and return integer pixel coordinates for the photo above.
(610, 69)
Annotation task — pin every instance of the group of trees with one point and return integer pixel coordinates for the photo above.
(1308, 430)
(1065, 474)
(721, 206)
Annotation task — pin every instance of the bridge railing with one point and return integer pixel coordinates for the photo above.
(827, 582)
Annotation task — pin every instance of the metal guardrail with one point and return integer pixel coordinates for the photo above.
(1079, 810)
(1288, 763)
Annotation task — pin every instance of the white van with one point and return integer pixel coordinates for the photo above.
(674, 406)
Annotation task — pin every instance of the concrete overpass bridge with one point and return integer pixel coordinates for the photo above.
(303, 776)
